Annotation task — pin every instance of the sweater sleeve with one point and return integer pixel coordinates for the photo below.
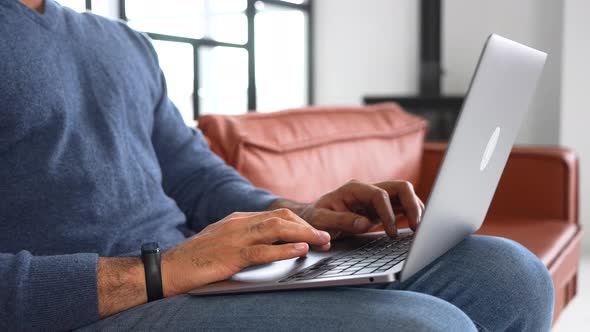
(47, 292)
(203, 186)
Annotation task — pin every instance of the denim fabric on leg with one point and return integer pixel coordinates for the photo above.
(497, 282)
(336, 309)
(494, 283)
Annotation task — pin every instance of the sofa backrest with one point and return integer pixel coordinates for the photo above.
(303, 153)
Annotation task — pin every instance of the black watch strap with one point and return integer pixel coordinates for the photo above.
(150, 255)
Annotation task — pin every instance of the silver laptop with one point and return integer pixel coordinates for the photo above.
(499, 95)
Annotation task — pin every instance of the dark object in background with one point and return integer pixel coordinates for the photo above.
(440, 112)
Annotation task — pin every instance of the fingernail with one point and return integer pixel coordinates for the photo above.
(324, 236)
(300, 246)
(360, 224)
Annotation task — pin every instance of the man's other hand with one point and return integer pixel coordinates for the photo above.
(236, 242)
(356, 207)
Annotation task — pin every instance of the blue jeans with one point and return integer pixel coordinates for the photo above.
(483, 284)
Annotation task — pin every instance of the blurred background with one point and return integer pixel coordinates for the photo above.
(231, 56)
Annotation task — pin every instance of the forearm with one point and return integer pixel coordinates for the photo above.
(121, 284)
(121, 280)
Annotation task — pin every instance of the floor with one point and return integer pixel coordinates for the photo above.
(576, 316)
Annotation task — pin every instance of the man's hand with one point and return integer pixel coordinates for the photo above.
(356, 207)
(219, 251)
(237, 241)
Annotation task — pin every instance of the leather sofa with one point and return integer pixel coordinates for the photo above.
(301, 154)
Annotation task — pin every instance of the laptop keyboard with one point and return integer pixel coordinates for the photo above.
(378, 255)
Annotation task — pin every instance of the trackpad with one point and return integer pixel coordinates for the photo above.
(281, 269)
(270, 272)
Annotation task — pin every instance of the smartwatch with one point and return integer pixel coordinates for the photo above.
(150, 255)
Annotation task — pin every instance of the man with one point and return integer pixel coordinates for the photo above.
(95, 160)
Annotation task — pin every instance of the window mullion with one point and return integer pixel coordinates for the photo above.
(250, 14)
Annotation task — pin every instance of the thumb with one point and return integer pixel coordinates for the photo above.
(347, 222)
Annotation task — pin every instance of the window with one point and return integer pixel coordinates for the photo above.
(224, 56)
(229, 56)
(77, 5)
(176, 61)
(281, 48)
(223, 20)
(223, 80)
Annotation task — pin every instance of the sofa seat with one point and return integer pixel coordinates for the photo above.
(545, 238)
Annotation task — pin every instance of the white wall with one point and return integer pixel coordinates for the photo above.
(371, 47)
(537, 23)
(365, 47)
(575, 101)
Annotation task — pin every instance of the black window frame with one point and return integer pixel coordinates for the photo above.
(197, 43)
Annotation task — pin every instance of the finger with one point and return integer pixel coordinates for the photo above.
(293, 217)
(355, 192)
(262, 254)
(244, 218)
(338, 205)
(407, 197)
(290, 216)
(414, 226)
(278, 229)
(347, 222)
(422, 209)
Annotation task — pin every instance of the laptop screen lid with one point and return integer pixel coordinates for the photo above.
(499, 95)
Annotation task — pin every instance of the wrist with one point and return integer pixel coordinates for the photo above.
(121, 284)
(167, 279)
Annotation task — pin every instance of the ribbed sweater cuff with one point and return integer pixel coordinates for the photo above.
(63, 291)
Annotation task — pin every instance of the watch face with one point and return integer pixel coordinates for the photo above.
(151, 247)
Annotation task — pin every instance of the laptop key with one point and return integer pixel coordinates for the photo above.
(341, 274)
(347, 264)
(365, 271)
(335, 270)
(354, 268)
(311, 274)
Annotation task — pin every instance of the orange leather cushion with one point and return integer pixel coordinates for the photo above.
(304, 153)
(545, 238)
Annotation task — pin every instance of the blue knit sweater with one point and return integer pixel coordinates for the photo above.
(94, 161)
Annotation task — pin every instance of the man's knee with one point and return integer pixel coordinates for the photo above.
(510, 263)
(518, 277)
(361, 309)
(428, 313)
